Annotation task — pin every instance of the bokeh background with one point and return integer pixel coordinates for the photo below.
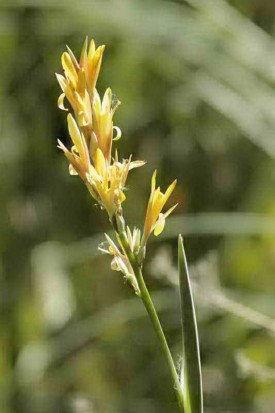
(197, 85)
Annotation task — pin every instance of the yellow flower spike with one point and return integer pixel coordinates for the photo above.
(91, 129)
(155, 219)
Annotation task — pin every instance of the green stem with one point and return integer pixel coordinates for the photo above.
(145, 296)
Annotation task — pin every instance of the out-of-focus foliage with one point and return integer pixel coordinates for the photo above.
(197, 85)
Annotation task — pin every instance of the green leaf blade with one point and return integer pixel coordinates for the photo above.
(191, 377)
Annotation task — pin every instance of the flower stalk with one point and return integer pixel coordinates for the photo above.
(150, 308)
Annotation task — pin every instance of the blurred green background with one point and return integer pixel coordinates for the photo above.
(197, 85)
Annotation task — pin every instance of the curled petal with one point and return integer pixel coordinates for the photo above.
(60, 102)
(118, 133)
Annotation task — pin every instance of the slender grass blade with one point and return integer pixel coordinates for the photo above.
(191, 378)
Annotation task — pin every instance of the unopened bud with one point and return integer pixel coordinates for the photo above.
(120, 223)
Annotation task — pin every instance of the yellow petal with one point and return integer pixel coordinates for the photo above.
(100, 163)
(91, 51)
(69, 68)
(169, 190)
(153, 181)
(74, 61)
(78, 140)
(81, 81)
(84, 56)
(167, 213)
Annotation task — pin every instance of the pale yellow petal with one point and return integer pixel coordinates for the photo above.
(62, 81)
(113, 245)
(107, 101)
(159, 225)
(136, 164)
(118, 133)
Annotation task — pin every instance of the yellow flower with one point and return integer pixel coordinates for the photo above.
(102, 114)
(107, 181)
(155, 219)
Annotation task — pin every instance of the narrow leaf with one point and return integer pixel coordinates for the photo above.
(191, 379)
